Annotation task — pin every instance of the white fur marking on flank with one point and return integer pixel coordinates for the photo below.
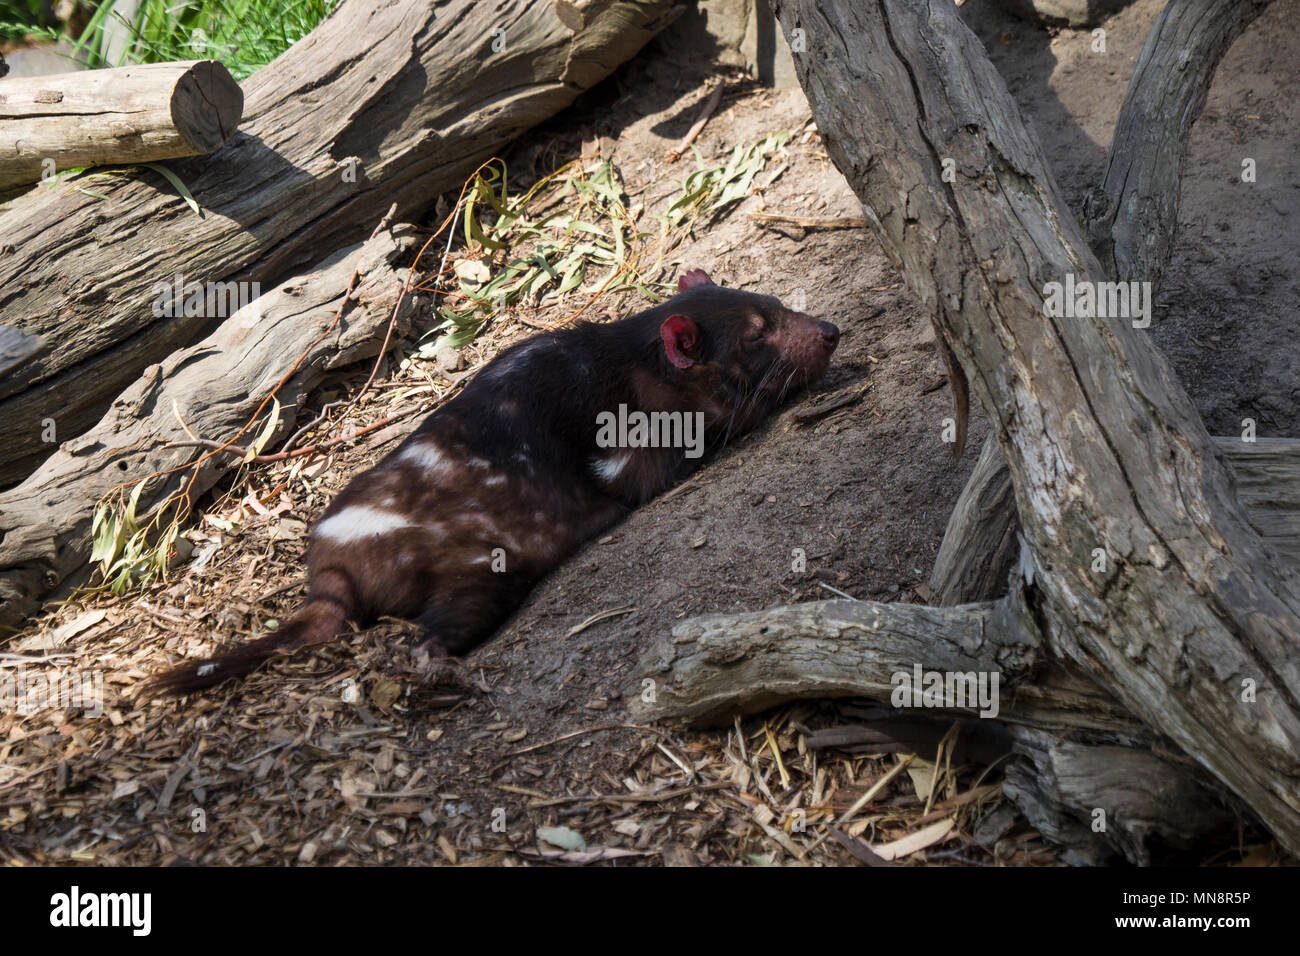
(608, 469)
(359, 521)
(427, 456)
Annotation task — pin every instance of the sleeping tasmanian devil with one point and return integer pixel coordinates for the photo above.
(540, 451)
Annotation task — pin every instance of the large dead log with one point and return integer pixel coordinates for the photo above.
(1131, 220)
(211, 390)
(131, 114)
(1188, 610)
(391, 101)
(1141, 568)
(1060, 782)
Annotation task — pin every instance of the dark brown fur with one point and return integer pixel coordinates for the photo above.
(496, 487)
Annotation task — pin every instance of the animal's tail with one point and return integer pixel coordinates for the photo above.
(321, 619)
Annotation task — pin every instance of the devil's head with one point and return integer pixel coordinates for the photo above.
(748, 348)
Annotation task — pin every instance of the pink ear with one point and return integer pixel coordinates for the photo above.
(689, 280)
(680, 335)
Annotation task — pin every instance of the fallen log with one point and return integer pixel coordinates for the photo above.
(720, 665)
(212, 390)
(1058, 782)
(1096, 799)
(130, 114)
(391, 101)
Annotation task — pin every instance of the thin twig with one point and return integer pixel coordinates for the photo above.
(347, 404)
(307, 450)
(841, 222)
(710, 105)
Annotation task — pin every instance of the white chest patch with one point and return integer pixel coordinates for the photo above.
(608, 469)
(359, 522)
(428, 456)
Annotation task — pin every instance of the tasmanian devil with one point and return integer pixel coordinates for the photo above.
(555, 439)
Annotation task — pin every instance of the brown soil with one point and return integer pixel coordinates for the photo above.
(345, 756)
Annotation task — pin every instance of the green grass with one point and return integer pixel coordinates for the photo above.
(20, 17)
(572, 233)
(569, 233)
(245, 35)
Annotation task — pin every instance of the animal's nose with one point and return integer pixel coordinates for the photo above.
(830, 334)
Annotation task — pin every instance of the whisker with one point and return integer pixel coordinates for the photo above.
(755, 395)
(786, 384)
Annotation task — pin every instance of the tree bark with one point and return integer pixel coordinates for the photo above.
(395, 101)
(210, 390)
(981, 543)
(720, 665)
(130, 114)
(1142, 569)
(15, 348)
(1144, 801)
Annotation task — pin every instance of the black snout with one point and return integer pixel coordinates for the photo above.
(830, 334)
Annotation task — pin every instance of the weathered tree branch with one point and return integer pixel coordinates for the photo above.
(1081, 752)
(719, 665)
(1131, 220)
(1142, 569)
(1143, 800)
(211, 389)
(981, 543)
